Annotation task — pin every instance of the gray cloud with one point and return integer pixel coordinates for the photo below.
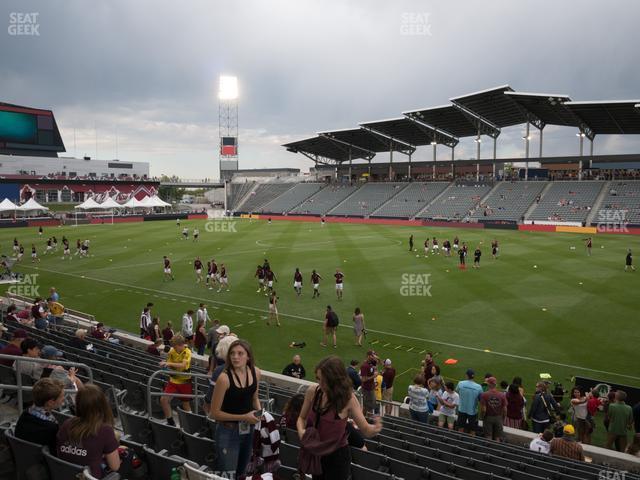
(149, 68)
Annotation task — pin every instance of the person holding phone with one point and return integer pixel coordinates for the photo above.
(236, 409)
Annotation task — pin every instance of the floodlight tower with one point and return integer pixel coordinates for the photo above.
(228, 125)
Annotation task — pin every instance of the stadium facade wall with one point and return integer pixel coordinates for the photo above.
(51, 222)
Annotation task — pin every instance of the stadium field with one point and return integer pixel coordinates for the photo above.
(542, 307)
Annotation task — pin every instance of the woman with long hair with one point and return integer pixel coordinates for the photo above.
(515, 406)
(154, 329)
(200, 342)
(358, 326)
(322, 424)
(291, 411)
(579, 405)
(236, 408)
(89, 438)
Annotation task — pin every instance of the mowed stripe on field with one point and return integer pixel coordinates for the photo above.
(299, 317)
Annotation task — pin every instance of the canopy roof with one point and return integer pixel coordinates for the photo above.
(88, 204)
(7, 205)
(31, 204)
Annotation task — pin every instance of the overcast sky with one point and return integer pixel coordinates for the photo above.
(148, 69)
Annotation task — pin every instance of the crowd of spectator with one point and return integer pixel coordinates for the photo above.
(328, 418)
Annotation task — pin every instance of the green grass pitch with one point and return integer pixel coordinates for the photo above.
(572, 315)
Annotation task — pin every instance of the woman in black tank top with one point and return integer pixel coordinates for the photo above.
(233, 407)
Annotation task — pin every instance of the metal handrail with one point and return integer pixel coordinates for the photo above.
(151, 394)
(20, 388)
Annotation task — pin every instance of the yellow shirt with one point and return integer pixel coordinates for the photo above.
(56, 309)
(378, 387)
(175, 357)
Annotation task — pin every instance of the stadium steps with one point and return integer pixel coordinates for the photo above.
(345, 200)
(483, 200)
(244, 199)
(267, 206)
(532, 207)
(437, 198)
(598, 203)
(390, 200)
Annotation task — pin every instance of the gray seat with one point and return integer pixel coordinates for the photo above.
(167, 437)
(161, 463)
(28, 457)
(135, 425)
(200, 449)
(192, 423)
(60, 469)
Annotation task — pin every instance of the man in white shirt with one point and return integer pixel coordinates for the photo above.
(187, 326)
(145, 320)
(542, 443)
(202, 314)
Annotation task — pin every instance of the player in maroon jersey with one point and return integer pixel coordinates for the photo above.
(78, 247)
(270, 277)
(435, 248)
(66, 251)
(446, 247)
(494, 249)
(339, 283)
(426, 247)
(315, 281)
(213, 274)
(208, 274)
(260, 276)
(197, 267)
(167, 269)
(456, 243)
(588, 244)
(223, 279)
(297, 281)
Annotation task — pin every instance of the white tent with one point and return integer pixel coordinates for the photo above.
(7, 206)
(147, 202)
(133, 203)
(31, 205)
(159, 202)
(88, 204)
(110, 203)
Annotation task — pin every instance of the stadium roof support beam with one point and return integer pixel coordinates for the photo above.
(434, 133)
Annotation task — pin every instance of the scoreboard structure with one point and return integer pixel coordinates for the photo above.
(29, 131)
(228, 126)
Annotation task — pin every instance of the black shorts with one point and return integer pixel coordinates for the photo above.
(468, 422)
(188, 337)
(476, 259)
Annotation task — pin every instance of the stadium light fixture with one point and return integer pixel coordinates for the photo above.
(228, 88)
(477, 140)
(581, 134)
(434, 142)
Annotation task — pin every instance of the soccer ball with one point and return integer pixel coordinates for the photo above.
(535, 266)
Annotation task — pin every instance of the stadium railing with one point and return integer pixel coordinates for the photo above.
(27, 388)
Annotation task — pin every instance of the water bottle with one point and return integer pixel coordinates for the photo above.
(175, 474)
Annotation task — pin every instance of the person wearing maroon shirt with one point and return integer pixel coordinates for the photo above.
(13, 347)
(154, 348)
(213, 274)
(167, 334)
(260, 276)
(270, 277)
(297, 282)
(493, 409)
(167, 268)
(315, 281)
(197, 266)
(368, 373)
(388, 376)
(339, 283)
(428, 367)
(223, 278)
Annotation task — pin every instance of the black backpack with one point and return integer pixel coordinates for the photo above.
(333, 321)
